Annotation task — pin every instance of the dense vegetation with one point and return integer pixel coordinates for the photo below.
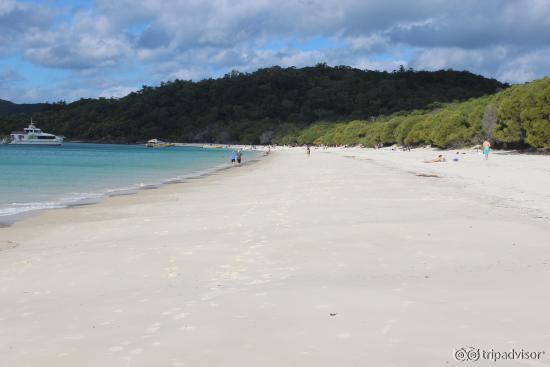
(516, 117)
(9, 108)
(258, 107)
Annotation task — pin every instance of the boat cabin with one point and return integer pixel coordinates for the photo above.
(32, 129)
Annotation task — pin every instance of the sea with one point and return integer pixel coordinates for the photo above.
(42, 177)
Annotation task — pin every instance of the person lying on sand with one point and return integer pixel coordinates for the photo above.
(439, 158)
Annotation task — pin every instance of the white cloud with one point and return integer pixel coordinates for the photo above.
(18, 20)
(388, 65)
(116, 91)
(89, 41)
(459, 58)
(371, 42)
(193, 39)
(525, 67)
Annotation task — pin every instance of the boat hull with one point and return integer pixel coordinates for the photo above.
(23, 142)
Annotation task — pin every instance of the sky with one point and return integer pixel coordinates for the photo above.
(55, 50)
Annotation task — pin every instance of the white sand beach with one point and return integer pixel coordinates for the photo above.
(347, 257)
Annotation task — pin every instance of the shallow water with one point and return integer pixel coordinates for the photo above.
(39, 177)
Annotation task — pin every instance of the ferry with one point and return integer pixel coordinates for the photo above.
(34, 136)
(155, 143)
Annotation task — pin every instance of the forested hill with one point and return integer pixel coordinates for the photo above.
(9, 108)
(255, 107)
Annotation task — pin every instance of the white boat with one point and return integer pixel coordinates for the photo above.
(212, 146)
(155, 143)
(34, 136)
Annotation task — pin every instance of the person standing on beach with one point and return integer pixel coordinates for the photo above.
(233, 157)
(239, 157)
(308, 151)
(486, 149)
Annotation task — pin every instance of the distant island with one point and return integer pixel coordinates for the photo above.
(312, 105)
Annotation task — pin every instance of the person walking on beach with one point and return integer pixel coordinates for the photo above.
(239, 157)
(233, 157)
(486, 149)
(308, 151)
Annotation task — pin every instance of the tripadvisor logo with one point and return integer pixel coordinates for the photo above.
(472, 354)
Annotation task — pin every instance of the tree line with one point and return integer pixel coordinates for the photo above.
(518, 117)
(254, 108)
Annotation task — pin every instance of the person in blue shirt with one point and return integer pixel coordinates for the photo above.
(233, 157)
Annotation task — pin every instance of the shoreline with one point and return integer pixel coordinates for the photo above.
(94, 198)
(58, 218)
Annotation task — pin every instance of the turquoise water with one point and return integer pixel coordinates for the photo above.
(37, 177)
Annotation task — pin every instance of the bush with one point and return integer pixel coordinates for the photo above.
(517, 116)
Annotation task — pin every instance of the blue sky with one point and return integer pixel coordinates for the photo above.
(65, 49)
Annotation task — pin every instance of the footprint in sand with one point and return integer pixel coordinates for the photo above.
(75, 337)
(388, 326)
(187, 328)
(179, 317)
(153, 328)
(343, 335)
